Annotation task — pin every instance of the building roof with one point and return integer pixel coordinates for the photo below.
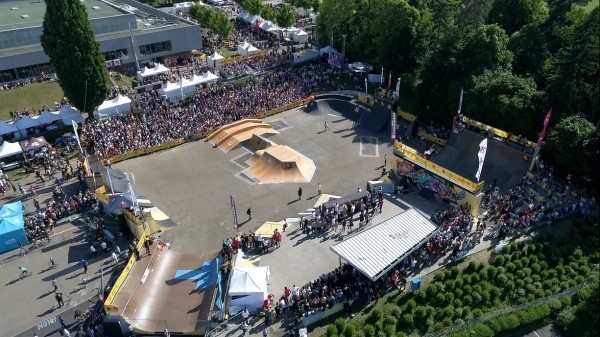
(379, 248)
(17, 14)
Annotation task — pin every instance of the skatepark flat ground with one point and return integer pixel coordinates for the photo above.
(192, 183)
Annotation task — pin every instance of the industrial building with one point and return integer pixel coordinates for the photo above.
(125, 29)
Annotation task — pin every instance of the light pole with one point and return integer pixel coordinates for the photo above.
(344, 45)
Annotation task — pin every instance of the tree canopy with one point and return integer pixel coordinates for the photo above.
(70, 43)
(285, 16)
(213, 19)
(512, 15)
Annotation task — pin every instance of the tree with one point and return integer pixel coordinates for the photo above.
(573, 83)
(566, 143)
(69, 42)
(268, 13)
(285, 16)
(531, 56)
(506, 101)
(514, 14)
(212, 19)
(253, 7)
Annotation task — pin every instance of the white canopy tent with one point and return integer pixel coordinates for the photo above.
(381, 247)
(185, 87)
(6, 128)
(213, 60)
(297, 35)
(113, 107)
(248, 287)
(156, 70)
(246, 48)
(8, 149)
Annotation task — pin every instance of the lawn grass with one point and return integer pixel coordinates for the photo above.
(124, 80)
(226, 52)
(33, 96)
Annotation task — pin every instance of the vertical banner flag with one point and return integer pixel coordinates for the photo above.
(481, 157)
(460, 101)
(389, 80)
(77, 135)
(397, 92)
(545, 127)
(366, 86)
(392, 125)
(381, 78)
(234, 211)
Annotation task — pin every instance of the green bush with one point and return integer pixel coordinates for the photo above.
(375, 316)
(350, 331)
(332, 331)
(408, 321)
(369, 330)
(565, 318)
(340, 324)
(481, 330)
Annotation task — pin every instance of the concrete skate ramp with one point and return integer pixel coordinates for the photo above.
(503, 163)
(344, 108)
(152, 298)
(231, 135)
(280, 164)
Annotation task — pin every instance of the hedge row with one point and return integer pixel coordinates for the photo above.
(180, 141)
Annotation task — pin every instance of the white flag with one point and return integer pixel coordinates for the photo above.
(481, 156)
(77, 135)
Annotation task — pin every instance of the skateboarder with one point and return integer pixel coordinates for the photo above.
(300, 193)
(325, 126)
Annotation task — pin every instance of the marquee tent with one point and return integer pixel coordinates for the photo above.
(156, 70)
(26, 122)
(8, 149)
(214, 59)
(186, 86)
(6, 128)
(248, 288)
(297, 35)
(246, 48)
(12, 229)
(48, 117)
(113, 107)
(381, 247)
(69, 114)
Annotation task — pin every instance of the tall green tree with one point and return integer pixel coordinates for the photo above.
(566, 145)
(459, 57)
(573, 86)
(514, 14)
(252, 6)
(531, 55)
(505, 100)
(213, 19)
(285, 16)
(69, 42)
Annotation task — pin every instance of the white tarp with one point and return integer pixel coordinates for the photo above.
(246, 48)
(6, 128)
(248, 287)
(113, 107)
(156, 70)
(8, 149)
(379, 248)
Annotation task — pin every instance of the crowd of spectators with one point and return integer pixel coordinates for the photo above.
(253, 65)
(161, 120)
(538, 200)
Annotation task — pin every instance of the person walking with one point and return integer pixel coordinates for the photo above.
(54, 285)
(147, 246)
(300, 193)
(115, 257)
(325, 126)
(319, 189)
(59, 299)
(249, 213)
(84, 264)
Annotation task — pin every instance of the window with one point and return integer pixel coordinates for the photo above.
(156, 47)
(115, 54)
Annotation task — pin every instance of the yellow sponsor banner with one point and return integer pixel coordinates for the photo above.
(429, 137)
(407, 116)
(498, 132)
(109, 306)
(412, 155)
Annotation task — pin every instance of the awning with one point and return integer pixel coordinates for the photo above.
(156, 70)
(6, 128)
(381, 247)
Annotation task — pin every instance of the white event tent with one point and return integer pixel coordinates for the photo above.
(248, 287)
(246, 48)
(156, 70)
(213, 60)
(185, 87)
(113, 107)
(8, 149)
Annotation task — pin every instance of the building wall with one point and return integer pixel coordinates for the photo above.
(182, 38)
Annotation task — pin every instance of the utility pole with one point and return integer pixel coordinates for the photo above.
(344, 45)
